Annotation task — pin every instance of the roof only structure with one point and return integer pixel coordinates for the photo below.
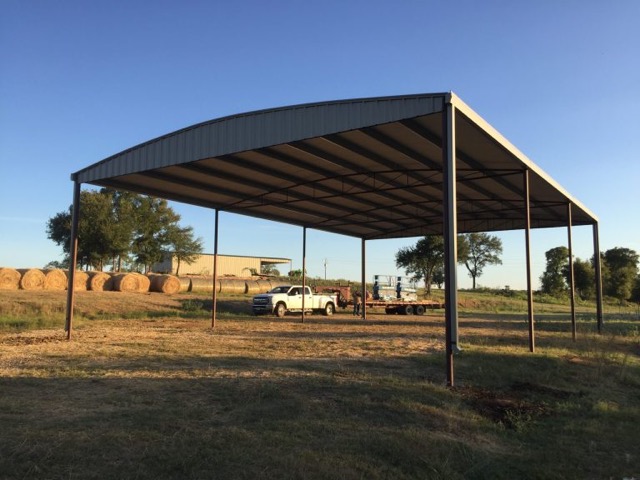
(372, 168)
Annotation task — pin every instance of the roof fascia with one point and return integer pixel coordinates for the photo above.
(507, 145)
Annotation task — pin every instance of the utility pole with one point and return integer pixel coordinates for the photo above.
(325, 268)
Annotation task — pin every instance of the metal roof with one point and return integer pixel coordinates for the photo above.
(369, 168)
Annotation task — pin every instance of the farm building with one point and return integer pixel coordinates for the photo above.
(228, 265)
(369, 168)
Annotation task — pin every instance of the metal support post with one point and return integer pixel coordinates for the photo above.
(214, 297)
(364, 280)
(598, 271)
(450, 236)
(572, 282)
(304, 267)
(527, 237)
(73, 258)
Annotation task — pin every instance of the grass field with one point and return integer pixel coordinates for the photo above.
(145, 389)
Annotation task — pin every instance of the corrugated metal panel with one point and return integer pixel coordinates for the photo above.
(261, 129)
(228, 265)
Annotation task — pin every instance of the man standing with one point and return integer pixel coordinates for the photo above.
(357, 303)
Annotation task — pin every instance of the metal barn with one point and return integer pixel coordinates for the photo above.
(371, 168)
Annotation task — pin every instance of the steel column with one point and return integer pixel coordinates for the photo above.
(598, 272)
(73, 258)
(572, 282)
(214, 298)
(527, 237)
(364, 280)
(450, 236)
(304, 267)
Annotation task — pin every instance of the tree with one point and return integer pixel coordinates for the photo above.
(270, 269)
(635, 292)
(185, 248)
(438, 276)
(94, 229)
(295, 274)
(422, 260)
(154, 223)
(123, 227)
(583, 277)
(622, 265)
(64, 264)
(552, 280)
(476, 251)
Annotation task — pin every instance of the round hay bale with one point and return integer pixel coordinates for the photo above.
(9, 279)
(252, 286)
(80, 281)
(204, 285)
(143, 283)
(185, 284)
(55, 279)
(125, 282)
(264, 286)
(100, 282)
(31, 279)
(232, 285)
(164, 284)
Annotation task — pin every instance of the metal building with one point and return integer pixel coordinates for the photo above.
(229, 265)
(373, 168)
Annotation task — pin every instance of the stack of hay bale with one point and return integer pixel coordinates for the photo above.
(56, 279)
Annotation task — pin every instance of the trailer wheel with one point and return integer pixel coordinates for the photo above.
(329, 309)
(419, 310)
(390, 310)
(407, 310)
(280, 310)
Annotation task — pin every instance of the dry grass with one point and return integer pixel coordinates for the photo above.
(162, 396)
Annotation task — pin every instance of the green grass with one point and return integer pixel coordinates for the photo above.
(162, 396)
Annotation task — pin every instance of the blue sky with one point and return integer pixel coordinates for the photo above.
(82, 80)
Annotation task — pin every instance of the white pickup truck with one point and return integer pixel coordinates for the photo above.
(288, 298)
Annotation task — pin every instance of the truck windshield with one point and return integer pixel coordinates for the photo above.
(284, 289)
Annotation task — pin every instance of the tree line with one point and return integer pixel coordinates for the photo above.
(126, 230)
(620, 274)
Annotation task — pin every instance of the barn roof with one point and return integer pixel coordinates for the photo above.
(370, 168)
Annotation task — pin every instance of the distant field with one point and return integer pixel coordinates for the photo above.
(145, 389)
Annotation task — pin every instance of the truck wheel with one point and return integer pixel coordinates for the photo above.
(419, 310)
(280, 310)
(329, 309)
(407, 310)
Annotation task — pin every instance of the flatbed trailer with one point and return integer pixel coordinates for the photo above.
(404, 308)
(407, 306)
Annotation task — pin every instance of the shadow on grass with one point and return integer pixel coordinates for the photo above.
(242, 417)
(238, 424)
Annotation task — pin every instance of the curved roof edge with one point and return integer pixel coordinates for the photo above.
(262, 128)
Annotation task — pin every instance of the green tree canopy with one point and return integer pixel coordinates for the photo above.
(476, 251)
(185, 248)
(295, 274)
(622, 270)
(635, 292)
(115, 225)
(422, 260)
(583, 277)
(270, 269)
(95, 231)
(552, 280)
(155, 220)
